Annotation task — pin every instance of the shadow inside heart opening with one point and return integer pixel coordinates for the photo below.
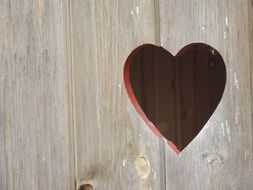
(178, 94)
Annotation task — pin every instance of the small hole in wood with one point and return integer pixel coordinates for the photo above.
(178, 94)
(86, 187)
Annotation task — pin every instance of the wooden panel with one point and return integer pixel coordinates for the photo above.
(186, 108)
(148, 74)
(221, 155)
(112, 141)
(203, 95)
(165, 79)
(35, 128)
(250, 7)
(137, 75)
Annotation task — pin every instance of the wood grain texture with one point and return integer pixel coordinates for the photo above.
(35, 128)
(221, 155)
(250, 9)
(110, 135)
(61, 85)
(111, 138)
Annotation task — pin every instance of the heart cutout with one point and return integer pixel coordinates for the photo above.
(175, 95)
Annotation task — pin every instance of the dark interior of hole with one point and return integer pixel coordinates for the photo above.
(178, 94)
(86, 187)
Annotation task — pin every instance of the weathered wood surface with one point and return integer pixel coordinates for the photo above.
(110, 135)
(212, 160)
(250, 4)
(35, 126)
(39, 81)
(221, 155)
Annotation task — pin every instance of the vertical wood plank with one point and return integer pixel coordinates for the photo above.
(112, 141)
(220, 157)
(186, 98)
(165, 96)
(203, 89)
(250, 7)
(148, 83)
(136, 75)
(35, 128)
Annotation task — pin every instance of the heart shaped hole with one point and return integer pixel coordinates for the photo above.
(175, 95)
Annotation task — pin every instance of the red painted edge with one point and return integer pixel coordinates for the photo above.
(132, 97)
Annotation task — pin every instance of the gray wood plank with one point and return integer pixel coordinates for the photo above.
(220, 157)
(113, 143)
(35, 120)
(250, 8)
